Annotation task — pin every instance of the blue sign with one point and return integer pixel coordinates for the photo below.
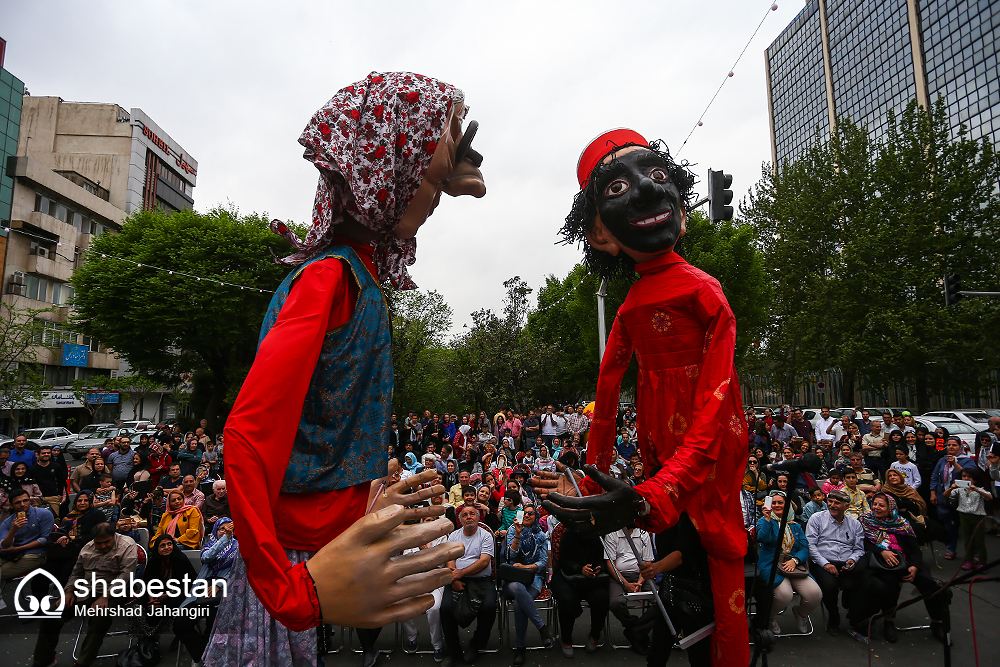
(102, 397)
(75, 355)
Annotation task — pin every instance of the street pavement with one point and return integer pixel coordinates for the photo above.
(915, 648)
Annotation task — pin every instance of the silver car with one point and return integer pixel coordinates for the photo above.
(79, 448)
(52, 435)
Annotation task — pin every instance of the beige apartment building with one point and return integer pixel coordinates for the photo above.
(80, 169)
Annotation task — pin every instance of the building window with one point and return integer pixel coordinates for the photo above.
(37, 287)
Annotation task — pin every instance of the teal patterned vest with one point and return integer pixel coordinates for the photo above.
(343, 431)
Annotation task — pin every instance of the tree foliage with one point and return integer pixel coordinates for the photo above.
(858, 235)
(164, 324)
(21, 379)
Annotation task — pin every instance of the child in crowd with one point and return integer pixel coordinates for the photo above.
(859, 503)
(511, 501)
(971, 510)
(104, 497)
(211, 457)
(908, 469)
(817, 503)
(834, 482)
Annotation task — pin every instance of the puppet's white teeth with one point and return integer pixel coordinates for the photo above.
(652, 221)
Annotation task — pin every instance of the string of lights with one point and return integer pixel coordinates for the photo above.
(172, 272)
(732, 72)
(564, 296)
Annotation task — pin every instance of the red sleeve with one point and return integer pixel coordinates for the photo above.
(682, 475)
(261, 429)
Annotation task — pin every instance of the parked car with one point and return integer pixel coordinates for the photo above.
(52, 435)
(88, 430)
(138, 425)
(954, 427)
(977, 419)
(79, 448)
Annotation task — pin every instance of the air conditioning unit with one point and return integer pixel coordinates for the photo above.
(18, 278)
(18, 290)
(42, 252)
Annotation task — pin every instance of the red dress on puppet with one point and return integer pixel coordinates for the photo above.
(690, 423)
(259, 435)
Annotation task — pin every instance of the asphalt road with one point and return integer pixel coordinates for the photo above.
(915, 648)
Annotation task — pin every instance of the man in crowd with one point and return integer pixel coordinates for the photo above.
(21, 453)
(513, 424)
(865, 423)
(51, 479)
(5, 464)
(119, 462)
(836, 547)
(108, 557)
(174, 479)
(202, 437)
(192, 496)
(837, 430)
(782, 431)
(802, 428)
(888, 426)
(23, 536)
(455, 492)
(625, 578)
(472, 569)
(872, 446)
(216, 505)
(84, 469)
(577, 423)
(553, 425)
(823, 425)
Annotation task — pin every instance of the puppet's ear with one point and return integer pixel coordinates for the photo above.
(601, 238)
(684, 223)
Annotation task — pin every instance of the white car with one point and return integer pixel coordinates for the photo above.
(79, 448)
(52, 435)
(88, 431)
(140, 425)
(977, 419)
(966, 433)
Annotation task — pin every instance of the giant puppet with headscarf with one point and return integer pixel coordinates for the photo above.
(631, 212)
(305, 441)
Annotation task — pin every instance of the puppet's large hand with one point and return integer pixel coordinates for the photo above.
(616, 508)
(360, 583)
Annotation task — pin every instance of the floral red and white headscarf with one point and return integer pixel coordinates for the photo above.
(372, 143)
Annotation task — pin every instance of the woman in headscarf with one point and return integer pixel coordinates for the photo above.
(300, 468)
(411, 465)
(794, 547)
(907, 498)
(526, 548)
(93, 481)
(159, 462)
(893, 558)
(165, 563)
(181, 521)
(70, 535)
(544, 461)
(131, 501)
(19, 475)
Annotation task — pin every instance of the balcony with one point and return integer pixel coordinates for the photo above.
(51, 266)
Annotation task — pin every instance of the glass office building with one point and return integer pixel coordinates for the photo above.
(874, 57)
(11, 95)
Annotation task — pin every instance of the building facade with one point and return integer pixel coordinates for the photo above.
(79, 170)
(861, 60)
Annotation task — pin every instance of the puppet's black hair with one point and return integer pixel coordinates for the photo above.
(584, 211)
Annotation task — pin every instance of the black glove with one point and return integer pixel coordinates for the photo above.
(618, 507)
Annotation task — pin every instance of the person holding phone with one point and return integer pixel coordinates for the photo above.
(971, 510)
(948, 469)
(579, 574)
(526, 547)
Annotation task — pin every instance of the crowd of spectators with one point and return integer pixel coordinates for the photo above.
(854, 535)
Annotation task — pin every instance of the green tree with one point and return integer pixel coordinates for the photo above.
(420, 322)
(21, 379)
(167, 323)
(857, 235)
(93, 392)
(137, 387)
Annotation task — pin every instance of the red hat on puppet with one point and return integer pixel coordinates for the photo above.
(597, 149)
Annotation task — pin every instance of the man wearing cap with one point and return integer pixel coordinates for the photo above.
(631, 210)
(836, 548)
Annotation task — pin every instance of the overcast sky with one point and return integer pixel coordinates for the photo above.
(234, 83)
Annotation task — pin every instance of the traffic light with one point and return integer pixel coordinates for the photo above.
(952, 289)
(719, 195)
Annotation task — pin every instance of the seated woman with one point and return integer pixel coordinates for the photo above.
(166, 562)
(544, 461)
(894, 558)
(578, 564)
(526, 549)
(789, 578)
(181, 522)
(92, 481)
(70, 535)
(19, 476)
(484, 497)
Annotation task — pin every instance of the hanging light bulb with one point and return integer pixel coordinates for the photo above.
(139, 264)
(170, 272)
(730, 73)
(774, 7)
(700, 123)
